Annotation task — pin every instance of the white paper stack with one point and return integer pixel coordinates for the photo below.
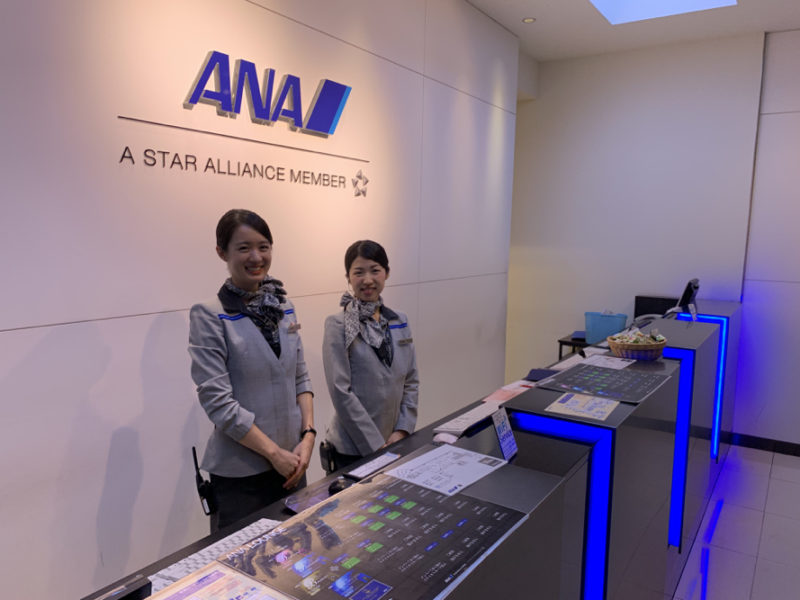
(458, 425)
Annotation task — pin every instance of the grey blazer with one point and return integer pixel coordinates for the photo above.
(371, 400)
(240, 382)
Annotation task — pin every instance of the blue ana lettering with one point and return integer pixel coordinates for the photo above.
(245, 75)
(267, 102)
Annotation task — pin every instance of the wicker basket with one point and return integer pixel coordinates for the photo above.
(636, 351)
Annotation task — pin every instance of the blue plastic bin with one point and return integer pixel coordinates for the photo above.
(600, 326)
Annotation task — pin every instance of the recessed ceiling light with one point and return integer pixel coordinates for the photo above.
(528, 20)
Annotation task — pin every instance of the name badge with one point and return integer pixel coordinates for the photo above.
(404, 341)
(293, 327)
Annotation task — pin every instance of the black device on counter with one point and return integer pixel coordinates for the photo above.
(689, 297)
(339, 484)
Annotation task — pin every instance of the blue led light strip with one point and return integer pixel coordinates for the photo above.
(722, 359)
(680, 457)
(598, 520)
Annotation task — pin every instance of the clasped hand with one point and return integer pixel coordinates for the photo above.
(296, 462)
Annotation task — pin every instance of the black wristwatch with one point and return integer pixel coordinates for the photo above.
(307, 430)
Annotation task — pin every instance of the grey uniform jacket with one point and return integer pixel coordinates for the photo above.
(240, 382)
(371, 399)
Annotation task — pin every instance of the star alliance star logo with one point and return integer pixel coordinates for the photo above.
(360, 184)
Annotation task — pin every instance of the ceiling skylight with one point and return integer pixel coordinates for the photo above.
(627, 11)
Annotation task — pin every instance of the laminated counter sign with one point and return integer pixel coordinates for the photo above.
(381, 539)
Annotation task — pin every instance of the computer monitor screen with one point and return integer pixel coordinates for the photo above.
(651, 308)
(653, 305)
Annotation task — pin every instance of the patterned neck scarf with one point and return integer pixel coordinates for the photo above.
(358, 319)
(264, 307)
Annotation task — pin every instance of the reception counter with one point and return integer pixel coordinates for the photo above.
(545, 487)
(626, 549)
(598, 508)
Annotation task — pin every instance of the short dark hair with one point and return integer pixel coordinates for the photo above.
(365, 249)
(235, 217)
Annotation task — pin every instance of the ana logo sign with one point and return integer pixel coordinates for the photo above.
(267, 104)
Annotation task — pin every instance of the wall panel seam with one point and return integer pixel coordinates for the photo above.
(376, 55)
(186, 309)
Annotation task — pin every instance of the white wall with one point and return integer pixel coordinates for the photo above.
(102, 258)
(766, 398)
(527, 78)
(633, 174)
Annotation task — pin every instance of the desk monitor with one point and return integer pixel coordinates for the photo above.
(686, 303)
(652, 305)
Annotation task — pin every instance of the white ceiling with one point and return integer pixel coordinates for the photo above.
(570, 28)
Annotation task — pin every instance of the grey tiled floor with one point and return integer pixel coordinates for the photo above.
(748, 547)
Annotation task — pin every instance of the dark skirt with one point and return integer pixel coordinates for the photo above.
(238, 497)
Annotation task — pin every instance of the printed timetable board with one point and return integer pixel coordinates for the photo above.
(385, 539)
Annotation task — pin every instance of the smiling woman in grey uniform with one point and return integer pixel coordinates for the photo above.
(370, 364)
(252, 380)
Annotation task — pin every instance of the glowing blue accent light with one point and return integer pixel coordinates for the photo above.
(680, 458)
(704, 573)
(705, 552)
(628, 11)
(598, 520)
(712, 522)
(722, 360)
